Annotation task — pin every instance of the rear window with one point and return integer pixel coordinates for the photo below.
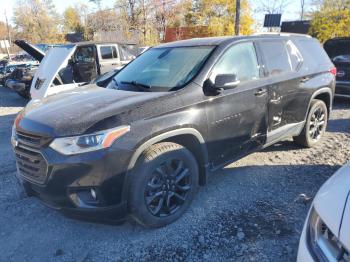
(276, 57)
(313, 52)
(108, 52)
(337, 47)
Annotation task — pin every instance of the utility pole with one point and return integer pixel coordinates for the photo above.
(302, 9)
(238, 13)
(8, 37)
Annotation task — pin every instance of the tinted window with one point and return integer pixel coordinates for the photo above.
(312, 49)
(115, 54)
(275, 57)
(106, 52)
(240, 60)
(85, 54)
(295, 57)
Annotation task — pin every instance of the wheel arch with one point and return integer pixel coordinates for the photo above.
(326, 95)
(190, 138)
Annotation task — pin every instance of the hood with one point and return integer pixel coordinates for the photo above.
(331, 199)
(56, 59)
(32, 50)
(337, 46)
(75, 112)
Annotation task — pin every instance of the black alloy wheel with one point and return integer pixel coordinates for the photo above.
(166, 190)
(162, 185)
(315, 124)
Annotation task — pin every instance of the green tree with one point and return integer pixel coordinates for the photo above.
(37, 21)
(331, 19)
(219, 16)
(72, 21)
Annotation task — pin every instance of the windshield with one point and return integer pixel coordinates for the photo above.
(162, 69)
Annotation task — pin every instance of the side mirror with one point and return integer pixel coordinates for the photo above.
(226, 81)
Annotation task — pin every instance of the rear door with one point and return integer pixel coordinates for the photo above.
(282, 63)
(237, 117)
(109, 58)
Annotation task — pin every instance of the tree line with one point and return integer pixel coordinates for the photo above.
(146, 20)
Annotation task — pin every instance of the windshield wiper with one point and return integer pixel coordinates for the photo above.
(139, 85)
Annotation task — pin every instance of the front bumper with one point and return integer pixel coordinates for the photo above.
(70, 179)
(342, 89)
(304, 252)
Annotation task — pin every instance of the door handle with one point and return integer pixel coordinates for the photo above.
(261, 92)
(304, 79)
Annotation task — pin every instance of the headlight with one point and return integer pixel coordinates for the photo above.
(324, 244)
(87, 143)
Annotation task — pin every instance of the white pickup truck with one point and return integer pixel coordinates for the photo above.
(68, 66)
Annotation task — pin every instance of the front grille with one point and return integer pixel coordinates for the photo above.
(30, 162)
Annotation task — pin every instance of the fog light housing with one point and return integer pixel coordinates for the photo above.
(93, 194)
(86, 198)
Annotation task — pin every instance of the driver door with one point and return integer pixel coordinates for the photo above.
(85, 66)
(237, 117)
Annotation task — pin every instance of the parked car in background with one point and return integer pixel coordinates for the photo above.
(68, 66)
(20, 61)
(142, 145)
(20, 79)
(338, 50)
(326, 234)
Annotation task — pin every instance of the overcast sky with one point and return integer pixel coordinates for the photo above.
(292, 12)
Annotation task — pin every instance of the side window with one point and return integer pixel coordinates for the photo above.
(240, 60)
(295, 58)
(276, 57)
(106, 52)
(115, 54)
(85, 54)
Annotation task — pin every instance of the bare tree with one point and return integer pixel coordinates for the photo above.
(272, 6)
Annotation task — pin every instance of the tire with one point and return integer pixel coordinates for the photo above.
(164, 171)
(318, 115)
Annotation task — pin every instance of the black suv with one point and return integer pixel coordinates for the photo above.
(178, 111)
(338, 50)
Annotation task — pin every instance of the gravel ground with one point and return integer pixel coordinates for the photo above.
(249, 211)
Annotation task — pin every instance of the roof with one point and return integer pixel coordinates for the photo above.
(100, 43)
(215, 41)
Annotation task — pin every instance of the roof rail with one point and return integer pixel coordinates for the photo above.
(283, 34)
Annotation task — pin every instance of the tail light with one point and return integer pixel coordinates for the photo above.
(333, 71)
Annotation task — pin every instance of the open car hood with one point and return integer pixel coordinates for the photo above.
(55, 59)
(32, 50)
